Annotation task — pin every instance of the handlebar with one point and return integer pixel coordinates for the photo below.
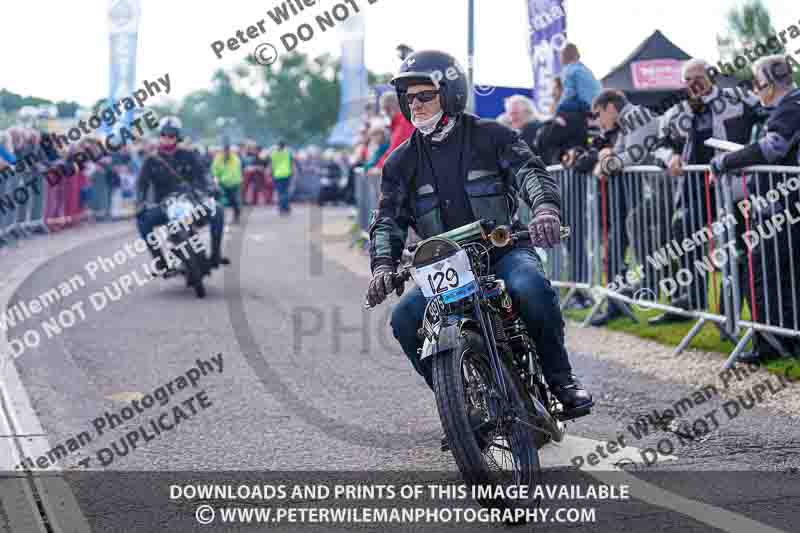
(563, 231)
(405, 275)
(196, 195)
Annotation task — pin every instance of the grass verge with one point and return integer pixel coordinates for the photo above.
(709, 338)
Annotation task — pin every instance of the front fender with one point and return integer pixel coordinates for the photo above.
(447, 340)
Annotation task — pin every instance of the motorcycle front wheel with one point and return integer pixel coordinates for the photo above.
(490, 436)
(195, 269)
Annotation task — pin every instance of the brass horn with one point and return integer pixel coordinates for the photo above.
(500, 236)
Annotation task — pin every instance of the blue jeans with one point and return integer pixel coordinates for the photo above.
(282, 186)
(531, 293)
(573, 105)
(232, 195)
(149, 219)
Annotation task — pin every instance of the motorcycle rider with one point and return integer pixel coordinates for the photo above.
(455, 169)
(167, 170)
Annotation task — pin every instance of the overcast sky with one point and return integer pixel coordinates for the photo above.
(59, 50)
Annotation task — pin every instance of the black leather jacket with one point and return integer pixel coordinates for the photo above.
(183, 168)
(496, 166)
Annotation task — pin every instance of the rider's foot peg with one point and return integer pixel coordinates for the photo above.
(575, 413)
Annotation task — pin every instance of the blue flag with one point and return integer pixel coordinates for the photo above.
(124, 26)
(355, 90)
(547, 23)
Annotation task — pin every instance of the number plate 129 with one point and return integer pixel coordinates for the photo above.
(451, 277)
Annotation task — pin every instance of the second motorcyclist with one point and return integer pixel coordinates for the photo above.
(168, 170)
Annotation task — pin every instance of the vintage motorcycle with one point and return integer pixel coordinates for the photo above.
(493, 402)
(179, 208)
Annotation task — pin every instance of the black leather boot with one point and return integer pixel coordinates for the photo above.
(668, 318)
(570, 392)
(612, 311)
(756, 358)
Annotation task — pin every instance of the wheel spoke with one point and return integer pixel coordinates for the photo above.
(498, 424)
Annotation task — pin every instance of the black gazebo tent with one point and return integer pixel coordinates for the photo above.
(650, 75)
(654, 52)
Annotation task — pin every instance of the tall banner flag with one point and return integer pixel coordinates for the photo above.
(547, 21)
(123, 16)
(354, 87)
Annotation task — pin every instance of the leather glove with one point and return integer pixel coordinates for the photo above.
(545, 228)
(718, 165)
(586, 161)
(382, 285)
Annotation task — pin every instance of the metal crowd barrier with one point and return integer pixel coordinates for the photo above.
(573, 265)
(6, 216)
(644, 238)
(53, 207)
(677, 244)
(770, 208)
(366, 193)
(36, 222)
(15, 219)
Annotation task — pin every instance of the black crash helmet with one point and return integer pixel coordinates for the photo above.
(438, 69)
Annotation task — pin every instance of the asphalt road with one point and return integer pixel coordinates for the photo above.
(310, 382)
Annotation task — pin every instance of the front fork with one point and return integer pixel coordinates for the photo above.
(491, 345)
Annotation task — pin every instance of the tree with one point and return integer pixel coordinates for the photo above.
(67, 109)
(300, 97)
(13, 102)
(749, 25)
(200, 110)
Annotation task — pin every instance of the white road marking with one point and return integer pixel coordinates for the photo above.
(560, 454)
(704, 513)
(19, 419)
(126, 396)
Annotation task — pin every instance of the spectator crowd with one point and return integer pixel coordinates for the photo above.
(590, 129)
(104, 187)
(599, 131)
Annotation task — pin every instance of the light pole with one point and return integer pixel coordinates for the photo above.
(470, 53)
(404, 51)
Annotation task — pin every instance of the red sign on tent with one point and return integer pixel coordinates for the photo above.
(657, 74)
